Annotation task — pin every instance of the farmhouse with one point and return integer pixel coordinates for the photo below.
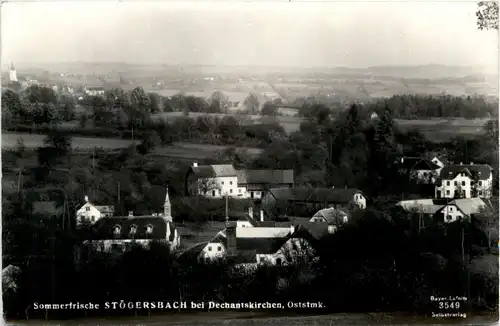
(333, 217)
(217, 181)
(458, 209)
(91, 213)
(425, 207)
(257, 182)
(119, 233)
(315, 198)
(419, 169)
(465, 181)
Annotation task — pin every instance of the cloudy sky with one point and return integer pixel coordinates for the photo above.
(354, 34)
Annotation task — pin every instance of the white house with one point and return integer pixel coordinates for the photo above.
(419, 169)
(118, 233)
(458, 209)
(12, 74)
(90, 213)
(333, 217)
(213, 181)
(94, 90)
(465, 181)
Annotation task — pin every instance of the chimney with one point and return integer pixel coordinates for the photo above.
(261, 215)
(86, 198)
(130, 214)
(195, 164)
(250, 211)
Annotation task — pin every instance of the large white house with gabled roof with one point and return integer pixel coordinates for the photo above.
(465, 181)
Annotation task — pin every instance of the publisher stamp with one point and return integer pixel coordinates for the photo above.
(448, 306)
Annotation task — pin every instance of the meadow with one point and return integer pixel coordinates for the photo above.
(177, 150)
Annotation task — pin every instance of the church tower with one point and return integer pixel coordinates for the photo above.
(12, 73)
(167, 208)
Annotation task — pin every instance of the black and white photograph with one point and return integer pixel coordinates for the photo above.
(285, 162)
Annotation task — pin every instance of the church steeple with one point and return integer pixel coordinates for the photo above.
(167, 208)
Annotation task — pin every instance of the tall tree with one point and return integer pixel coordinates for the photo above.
(251, 103)
(219, 102)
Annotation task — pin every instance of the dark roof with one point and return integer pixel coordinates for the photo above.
(476, 171)
(311, 231)
(265, 176)
(105, 208)
(261, 245)
(332, 215)
(195, 250)
(314, 195)
(104, 228)
(417, 163)
(243, 257)
(203, 171)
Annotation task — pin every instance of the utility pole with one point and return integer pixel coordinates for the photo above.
(19, 182)
(227, 208)
(118, 192)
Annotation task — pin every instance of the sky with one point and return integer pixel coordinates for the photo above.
(265, 33)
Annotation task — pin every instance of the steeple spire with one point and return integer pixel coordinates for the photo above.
(167, 207)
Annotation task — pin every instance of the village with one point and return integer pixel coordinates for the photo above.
(461, 192)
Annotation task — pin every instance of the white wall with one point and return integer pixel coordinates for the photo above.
(451, 213)
(213, 251)
(360, 200)
(448, 187)
(244, 224)
(217, 187)
(89, 213)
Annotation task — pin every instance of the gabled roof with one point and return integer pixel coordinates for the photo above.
(265, 176)
(106, 209)
(213, 171)
(476, 171)
(425, 206)
(311, 231)
(104, 228)
(417, 163)
(315, 195)
(470, 205)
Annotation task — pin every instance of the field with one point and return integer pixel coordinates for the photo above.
(177, 150)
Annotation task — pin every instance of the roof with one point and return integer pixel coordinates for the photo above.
(425, 206)
(332, 215)
(476, 171)
(314, 195)
(94, 88)
(105, 208)
(243, 257)
(470, 205)
(261, 245)
(311, 231)
(104, 228)
(418, 163)
(265, 176)
(195, 250)
(213, 171)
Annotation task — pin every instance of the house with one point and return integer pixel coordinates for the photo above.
(333, 217)
(213, 181)
(316, 197)
(118, 233)
(257, 182)
(216, 181)
(420, 169)
(438, 162)
(465, 181)
(374, 116)
(459, 209)
(94, 90)
(90, 213)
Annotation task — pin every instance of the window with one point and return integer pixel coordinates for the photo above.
(230, 182)
(133, 230)
(447, 183)
(209, 248)
(231, 190)
(213, 193)
(149, 229)
(222, 182)
(463, 183)
(87, 209)
(480, 193)
(219, 248)
(448, 217)
(480, 183)
(278, 261)
(455, 183)
(447, 192)
(92, 218)
(451, 209)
